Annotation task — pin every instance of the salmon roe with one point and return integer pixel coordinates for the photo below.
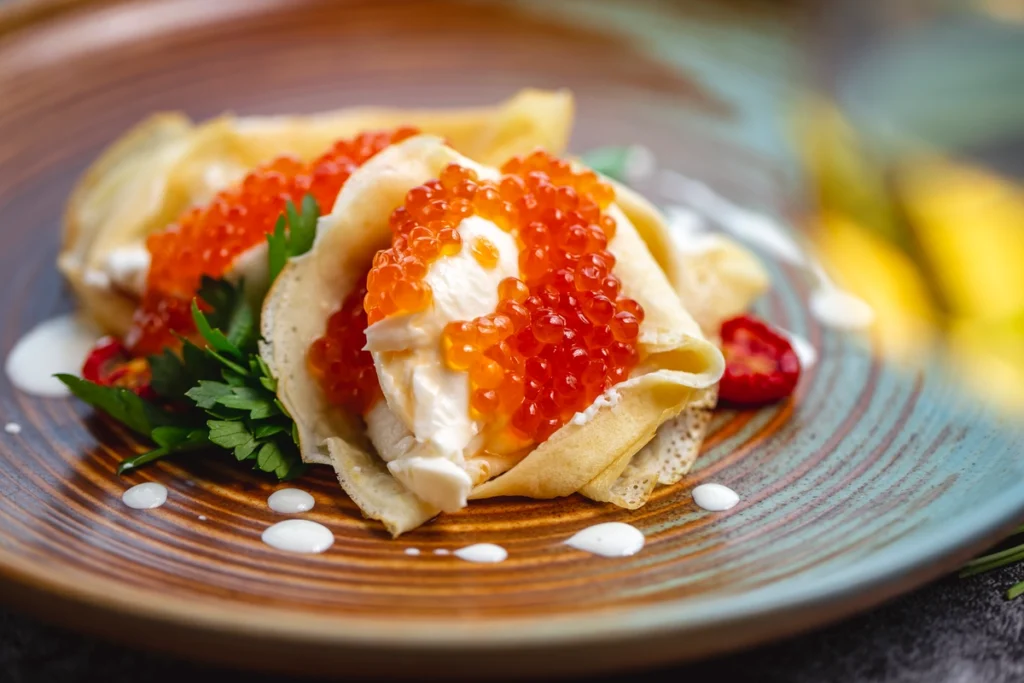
(424, 229)
(338, 361)
(207, 240)
(562, 333)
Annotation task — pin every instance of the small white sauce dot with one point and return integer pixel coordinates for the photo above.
(202, 518)
(299, 536)
(145, 496)
(482, 552)
(12, 428)
(715, 497)
(290, 501)
(412, 551)
(442, 551)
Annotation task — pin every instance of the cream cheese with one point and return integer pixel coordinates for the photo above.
(431, 401)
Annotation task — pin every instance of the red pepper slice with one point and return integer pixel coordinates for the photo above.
(110, 365)
(760, 364)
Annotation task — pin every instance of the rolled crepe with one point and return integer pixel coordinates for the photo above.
(167, 164)
(587, 455)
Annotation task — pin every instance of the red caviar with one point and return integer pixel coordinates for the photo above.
(207, 240)
(562, 333)
(339, 362)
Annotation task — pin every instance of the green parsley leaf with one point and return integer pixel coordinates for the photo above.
(228, 434)
(168, 376)
(304, 229)
(258, 403)
(277, 249)
(207, 392)
(264, 430)
(297, 239)
(221, 297)
(270, 457)
(123, 405)
(214, 337)
(174, 440)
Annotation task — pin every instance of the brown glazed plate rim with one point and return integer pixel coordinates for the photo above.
(722, 620)
(870, 582)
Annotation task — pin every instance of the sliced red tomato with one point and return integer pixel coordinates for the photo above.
(110, 364)
(760, 364)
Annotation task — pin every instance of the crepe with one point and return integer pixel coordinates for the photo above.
(715, 278)
(589, 455)
(167, 164)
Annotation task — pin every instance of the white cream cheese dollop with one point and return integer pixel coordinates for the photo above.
(127, 268)
(430, 401)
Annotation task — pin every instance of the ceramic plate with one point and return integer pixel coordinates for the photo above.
(869, 482)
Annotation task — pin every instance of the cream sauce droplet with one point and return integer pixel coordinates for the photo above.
(835, 308)
(412, 551)
(12, 428)
(202, 518)
(610, 539)
(715, 497)
(804, 350)
(290, 501)
(482, 552)
(145, 496)
(442, 551)
(299, 536)
(58, 345)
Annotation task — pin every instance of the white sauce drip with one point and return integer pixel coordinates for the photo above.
(442, 551)
(482, 552)
(299, 536)
(412, 551)
(835, 308)
(202, 518)
(145, 496)
(804, 350)
(12, 428)
(58, 345)
(290, 501)
(750, 226)
(715, 497)
(610, 539)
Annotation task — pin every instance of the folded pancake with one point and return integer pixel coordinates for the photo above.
(422, 422)
(716, 278)
(164, 166)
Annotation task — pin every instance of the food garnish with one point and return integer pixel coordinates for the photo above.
(760, 364)
(215, 392)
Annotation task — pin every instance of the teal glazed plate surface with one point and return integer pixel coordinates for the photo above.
(870, 481)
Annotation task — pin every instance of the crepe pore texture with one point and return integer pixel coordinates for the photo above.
(149, 177)
(589, 456)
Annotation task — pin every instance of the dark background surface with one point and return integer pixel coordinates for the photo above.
(952, 630)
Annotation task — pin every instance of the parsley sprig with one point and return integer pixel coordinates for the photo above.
(219, 395)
